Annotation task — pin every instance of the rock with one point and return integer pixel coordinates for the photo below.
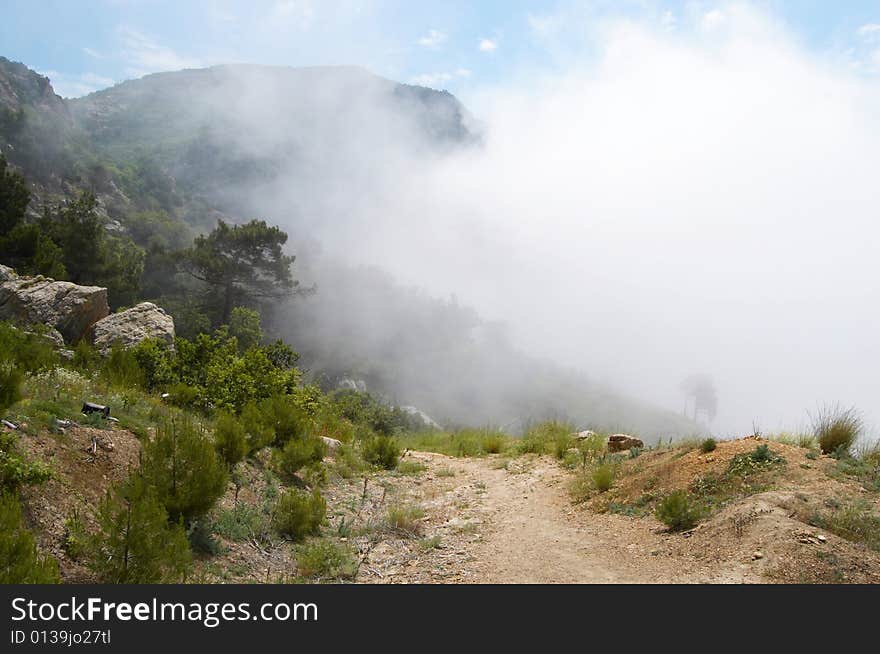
(358, 385)
(583, 435)
(7, 274)
(69, 308)
(821, 538)
(331, 443)
(621, 442)
(427, 420)
(132, 326)
(757, 555)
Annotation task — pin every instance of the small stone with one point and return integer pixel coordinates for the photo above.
(821, 538)
(757, 555)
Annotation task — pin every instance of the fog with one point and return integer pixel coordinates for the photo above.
(666, 202)
(697, 201)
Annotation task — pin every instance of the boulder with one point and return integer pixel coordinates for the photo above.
(7, 274)
(621, 442)
(65, 306)
(332, 444)
(132, 326)
(583, 435)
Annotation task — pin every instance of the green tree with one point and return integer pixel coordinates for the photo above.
(20, 562)
(239, 263)
(14, 197)
(136, 544)
(244, 325)
(230, 439)
(184, 469)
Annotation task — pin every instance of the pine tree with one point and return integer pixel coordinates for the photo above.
(184, 469)
(20, 563)
(136, 544)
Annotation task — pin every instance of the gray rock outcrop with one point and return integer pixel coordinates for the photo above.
(132, 326)
(65, 306)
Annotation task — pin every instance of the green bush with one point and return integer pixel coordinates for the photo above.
(837, 429)
(28, 352)
(15, 469)
(708, 445)
(856, 522)
(20, 562)
(230, 439)
(325, 559)
(298, 514)
(603, 477)
(299, 452)
(677, 511)
(283, 418)
(241, 522)
(10, 385)
(121, 369)
(156, 363)
(381, 451)
(493, 442)
(135, 543)
(182, 466)
(405, 518)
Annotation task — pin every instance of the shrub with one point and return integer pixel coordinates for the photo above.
(241, 522)
(156, 363)
(411, 467)
(299, 452)
(20, 562)
(184, 469)
(325, 559)
(708, 445)
(121, 369)
(135, 542)
(298, 514)
(603, 477)
(10, 385)
(185, 396)
(15, 469)
(677, 512)
(405, 518)
(230, 439)
(493, 443)
(381, 451)
(836, 429)
(283, 418)
(259, 433)
(75, 537)
(539, 438)
(856, 522)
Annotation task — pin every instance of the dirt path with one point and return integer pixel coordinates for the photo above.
(527, 531)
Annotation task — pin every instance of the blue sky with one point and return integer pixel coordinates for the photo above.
(461, 46)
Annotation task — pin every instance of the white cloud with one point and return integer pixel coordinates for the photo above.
(434, 80)
(432, 39)
(488, 45)
(74, 86)
(713, 19)
(143, 55)
(668, 20)
(93, 53)
(870, 31)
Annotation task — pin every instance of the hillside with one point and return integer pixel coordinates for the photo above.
(169, 154)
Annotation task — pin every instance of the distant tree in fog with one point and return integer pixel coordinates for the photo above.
(701, 389)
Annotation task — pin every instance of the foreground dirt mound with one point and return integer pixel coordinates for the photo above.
(85, 463)
(760, 520)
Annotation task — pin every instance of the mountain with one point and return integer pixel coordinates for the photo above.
(318, 151)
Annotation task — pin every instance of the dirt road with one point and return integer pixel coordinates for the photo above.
(528, 531)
